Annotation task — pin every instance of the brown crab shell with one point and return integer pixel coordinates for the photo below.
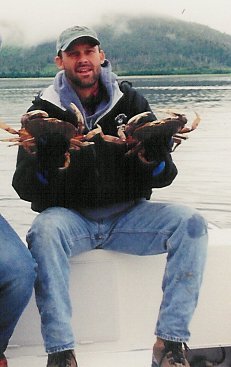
(40, 126)
(149, 129)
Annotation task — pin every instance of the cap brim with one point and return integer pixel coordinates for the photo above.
(80, 39)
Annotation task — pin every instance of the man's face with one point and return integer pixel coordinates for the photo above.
(82, 64)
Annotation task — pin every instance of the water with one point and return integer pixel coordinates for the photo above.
(204, 178)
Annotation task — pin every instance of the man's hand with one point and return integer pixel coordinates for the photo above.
(52, 153)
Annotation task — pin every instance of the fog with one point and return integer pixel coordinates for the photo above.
(27, 22)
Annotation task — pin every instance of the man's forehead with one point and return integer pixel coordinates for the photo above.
(81, 43)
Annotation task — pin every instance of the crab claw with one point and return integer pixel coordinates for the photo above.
(196, 121)
(79, 117)
(194, 125)
(33, 115)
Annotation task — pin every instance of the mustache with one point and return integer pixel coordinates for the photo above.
(84, 64)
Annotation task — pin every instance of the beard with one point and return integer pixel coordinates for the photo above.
(83, 83)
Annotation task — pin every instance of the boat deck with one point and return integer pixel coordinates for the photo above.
(135, 358)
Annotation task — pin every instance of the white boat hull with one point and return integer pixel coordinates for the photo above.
(116, 299)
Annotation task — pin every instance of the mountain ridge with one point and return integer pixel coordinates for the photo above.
(136, 46)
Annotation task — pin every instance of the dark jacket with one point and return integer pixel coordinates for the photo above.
(98, 175)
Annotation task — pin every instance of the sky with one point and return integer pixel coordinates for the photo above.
(28, 22)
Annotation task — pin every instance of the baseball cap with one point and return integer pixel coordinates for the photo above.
(74, 33)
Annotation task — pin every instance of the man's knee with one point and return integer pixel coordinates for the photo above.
(197, 225)
(46, 223)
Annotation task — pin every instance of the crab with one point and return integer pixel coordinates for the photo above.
(172, 127)
(131, 135)
(37, 123)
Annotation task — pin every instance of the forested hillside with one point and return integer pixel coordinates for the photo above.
(136, 46)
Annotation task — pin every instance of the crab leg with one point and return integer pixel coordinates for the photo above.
(7, 128)
(75, 143)
(10, 140)
(107, 138)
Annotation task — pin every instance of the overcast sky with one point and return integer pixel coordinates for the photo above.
(34, 21)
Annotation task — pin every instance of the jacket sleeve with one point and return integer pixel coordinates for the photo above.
(24, 181)
(153, 174)
(146, 176)
(31, 186)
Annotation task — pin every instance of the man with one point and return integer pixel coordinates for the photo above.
(101, 201)
(17, 275)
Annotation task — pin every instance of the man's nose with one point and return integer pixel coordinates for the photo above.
(82, 58)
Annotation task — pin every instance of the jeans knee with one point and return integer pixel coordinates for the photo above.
(46, 224)
(196, 225)
(50, 231)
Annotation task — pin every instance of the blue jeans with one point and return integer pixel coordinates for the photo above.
(147, 228)
(17, 275)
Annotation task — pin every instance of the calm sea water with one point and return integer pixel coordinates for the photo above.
(203, 161)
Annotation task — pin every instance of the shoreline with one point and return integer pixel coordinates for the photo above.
(132, 76)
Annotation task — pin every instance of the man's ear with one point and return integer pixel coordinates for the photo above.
(59, 62)
(102, 57)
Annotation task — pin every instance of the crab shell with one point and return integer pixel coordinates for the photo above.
(146, 131)
(40, 126)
